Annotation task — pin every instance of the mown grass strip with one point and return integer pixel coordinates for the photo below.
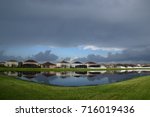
(134, 89)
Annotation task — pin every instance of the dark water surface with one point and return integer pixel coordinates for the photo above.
(78, 78)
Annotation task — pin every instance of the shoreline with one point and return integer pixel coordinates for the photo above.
(133, 89)
(67, 69)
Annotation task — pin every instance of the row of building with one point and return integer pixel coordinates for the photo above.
(65, 64)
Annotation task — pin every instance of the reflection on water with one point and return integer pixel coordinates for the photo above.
(78, 78)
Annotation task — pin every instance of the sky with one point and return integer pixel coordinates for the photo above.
(83, 30)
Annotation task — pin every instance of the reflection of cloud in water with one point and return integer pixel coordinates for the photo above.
(29, 79)
(44, 79)
(29, 74)
(101, 78)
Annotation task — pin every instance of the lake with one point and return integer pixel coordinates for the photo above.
(78, 78)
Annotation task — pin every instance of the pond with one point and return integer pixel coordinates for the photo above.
(78, 78)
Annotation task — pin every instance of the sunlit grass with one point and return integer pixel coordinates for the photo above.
(65, 69)
(12, 88)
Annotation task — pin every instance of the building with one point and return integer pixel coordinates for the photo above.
(30, 64)
(2, 64)
(11, 63)
(63, 64)
(120, 66)
(92, 65)
(130, 66)
(48, 65)
(145, 65)
(138, 66)
(102, 66)
(78, 64)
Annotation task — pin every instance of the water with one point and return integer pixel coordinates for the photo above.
(78, 78)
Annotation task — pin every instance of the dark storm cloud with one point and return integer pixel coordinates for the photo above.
(103, 23)
(115, 23)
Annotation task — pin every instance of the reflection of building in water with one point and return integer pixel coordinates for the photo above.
(11, 73)
(92, 72)
(30, 74)
(71, 74)
(141, 71)
(145, 72)
(102, 72)
(48, 74)
(97, 72)
(129, 70)
(79, 74)
(120, 71)
(63, 74)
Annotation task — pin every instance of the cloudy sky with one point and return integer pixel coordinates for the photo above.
(95, 30)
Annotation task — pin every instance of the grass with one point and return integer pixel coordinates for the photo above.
(64, 69)
(44, 69)
(134, 89)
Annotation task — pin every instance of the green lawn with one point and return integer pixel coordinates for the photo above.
(45, 69)
(66, 69)
(12, 88)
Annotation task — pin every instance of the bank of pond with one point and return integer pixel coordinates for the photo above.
(134, 89)
(76, 78)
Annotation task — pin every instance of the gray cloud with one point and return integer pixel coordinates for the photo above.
(44, 56)
(138, 55)
(4, 57)
(41, 56)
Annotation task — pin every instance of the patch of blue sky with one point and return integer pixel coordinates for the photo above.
(79, 52)
(62, 52)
